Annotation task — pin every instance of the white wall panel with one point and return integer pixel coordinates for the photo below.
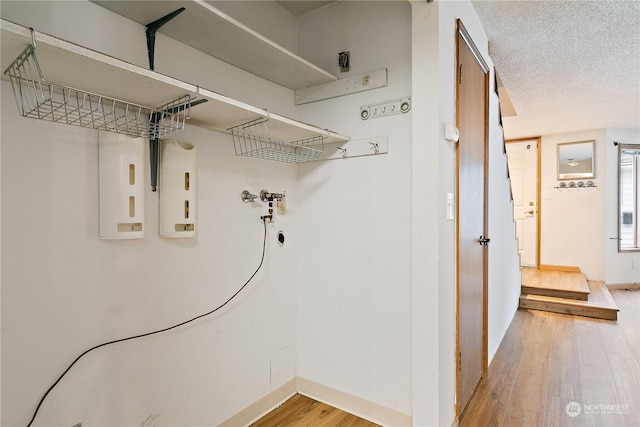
(572, 222)
(65, 290)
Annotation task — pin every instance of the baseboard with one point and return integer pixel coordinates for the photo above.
(567, 268)
(624, 286)
(263, 406)
(354, 405)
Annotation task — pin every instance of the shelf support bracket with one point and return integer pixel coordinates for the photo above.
(154, 156)
(151, 29)
(154, 144)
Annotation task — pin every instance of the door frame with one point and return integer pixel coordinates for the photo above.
(461, 31)
(538, 188)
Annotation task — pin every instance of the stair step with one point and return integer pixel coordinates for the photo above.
(558, 293)
(559, 284)
(599, 306)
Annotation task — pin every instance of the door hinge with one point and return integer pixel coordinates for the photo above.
(459, 361)
(460, 74)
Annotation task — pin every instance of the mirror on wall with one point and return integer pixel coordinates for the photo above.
(576, 160)
(628, 200)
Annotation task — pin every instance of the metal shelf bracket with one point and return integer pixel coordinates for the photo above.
(357, 148)
(151, 29)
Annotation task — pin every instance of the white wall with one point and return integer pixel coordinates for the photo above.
(572, 220)
(505, 278)
(618, 266)
(432, 175)
(579, 226)
(378, 278)
(354, 265)
(64, 290)
(362, 294)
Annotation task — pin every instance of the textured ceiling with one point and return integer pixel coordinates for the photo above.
(567, 65)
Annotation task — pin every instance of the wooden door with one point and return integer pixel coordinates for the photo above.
(472, 116)
(523, 170)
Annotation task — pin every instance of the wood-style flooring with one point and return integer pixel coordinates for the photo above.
(560, 370)
(302, 411)
(550, 370)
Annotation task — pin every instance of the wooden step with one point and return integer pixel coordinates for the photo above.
(559, 284)
(599, 306)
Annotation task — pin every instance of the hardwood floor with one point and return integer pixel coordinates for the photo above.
(301, 411)
(560, 370)
(550, 370)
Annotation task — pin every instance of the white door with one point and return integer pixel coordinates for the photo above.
(523, 170)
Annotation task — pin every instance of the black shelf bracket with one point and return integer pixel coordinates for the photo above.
(154, 156)
(154, 144)
(151, 29)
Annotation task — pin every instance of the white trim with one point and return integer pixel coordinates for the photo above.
(339, 399)
(262, 407)
(354, 405)
(623, 286)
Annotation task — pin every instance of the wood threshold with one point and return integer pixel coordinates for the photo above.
(568, 268)
(558, 293)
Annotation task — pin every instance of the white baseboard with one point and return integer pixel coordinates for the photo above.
(623, 286)
(354, 405)
(263, 406)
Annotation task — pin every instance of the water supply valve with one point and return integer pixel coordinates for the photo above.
(266, 196)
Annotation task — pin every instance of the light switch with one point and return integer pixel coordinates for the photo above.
(450, 207)
(451, 133)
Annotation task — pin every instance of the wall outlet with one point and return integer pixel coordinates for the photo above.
(634, 265)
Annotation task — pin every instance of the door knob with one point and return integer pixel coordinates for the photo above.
(484, 240)
(531, 212)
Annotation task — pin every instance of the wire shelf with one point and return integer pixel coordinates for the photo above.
(252, 139)
(40, 99)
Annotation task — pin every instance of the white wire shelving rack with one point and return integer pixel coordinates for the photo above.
(38, 98)
(87, 88)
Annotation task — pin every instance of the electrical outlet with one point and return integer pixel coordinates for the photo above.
(634, 265)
